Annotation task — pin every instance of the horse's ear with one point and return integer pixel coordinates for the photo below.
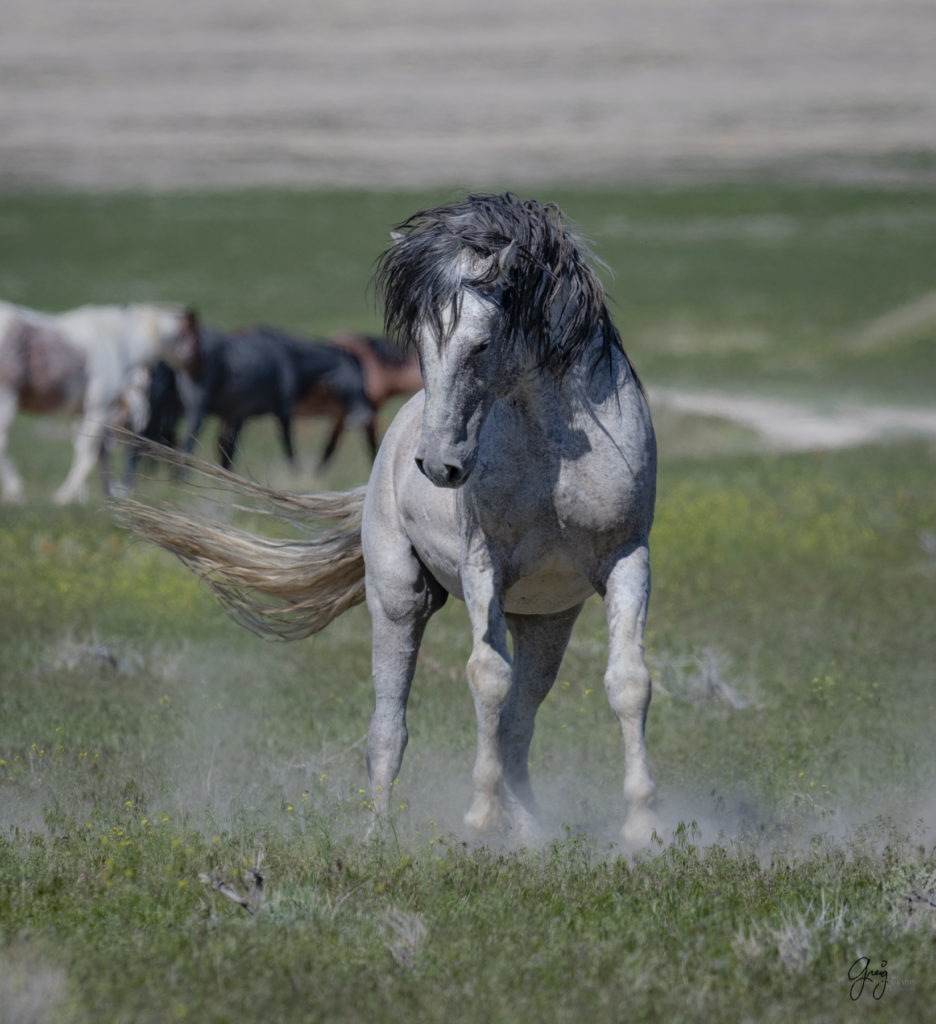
(494, 269)
(396, 237)
(506, 258)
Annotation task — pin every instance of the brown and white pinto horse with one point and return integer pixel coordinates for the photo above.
(85, 363)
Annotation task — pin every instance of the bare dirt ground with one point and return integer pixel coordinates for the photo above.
(795, 426)
(102, 94)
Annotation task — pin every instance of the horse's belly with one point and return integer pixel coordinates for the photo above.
(547, 592)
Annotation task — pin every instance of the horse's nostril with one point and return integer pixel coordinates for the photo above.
(445, 475)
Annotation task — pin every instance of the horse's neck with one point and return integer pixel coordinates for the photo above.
(590, 382)
(141, 338)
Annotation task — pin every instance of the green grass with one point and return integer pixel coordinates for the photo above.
(147, 743)
(739, 286)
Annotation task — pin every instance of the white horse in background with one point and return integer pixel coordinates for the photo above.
(89, 362)
(521, 480)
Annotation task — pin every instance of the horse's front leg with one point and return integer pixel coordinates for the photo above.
(490, 676)
(88, 439)
(539, 644)
(401, 597)
(104, 461)
(10, 480)
(627, 682)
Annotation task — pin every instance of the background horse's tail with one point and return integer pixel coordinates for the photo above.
(286, 589)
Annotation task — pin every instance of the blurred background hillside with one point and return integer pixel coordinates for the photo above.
(189, 94)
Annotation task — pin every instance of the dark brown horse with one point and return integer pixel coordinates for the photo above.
(264, 371)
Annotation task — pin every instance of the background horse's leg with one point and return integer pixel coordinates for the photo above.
(539, 644)
(285, 422)
(104, 464)
(88, 437)
(370, 430)
(332, 443)
(627, 682)
(227, 442)
(9, 477)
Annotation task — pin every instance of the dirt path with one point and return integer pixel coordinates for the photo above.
(101, 94)
(792, 426)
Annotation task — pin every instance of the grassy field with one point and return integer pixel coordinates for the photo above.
(151, 751)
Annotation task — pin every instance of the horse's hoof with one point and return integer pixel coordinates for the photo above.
(639, 828)
(485, 816)
(67, 497)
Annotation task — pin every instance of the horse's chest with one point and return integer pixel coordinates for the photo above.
(548, 512)
(557, 495)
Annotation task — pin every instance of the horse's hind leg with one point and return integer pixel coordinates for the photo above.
(10, 479)
(285, 423)
(539, 644)
(370, 432)
(332, 442)
(627, 682)
(227, 443)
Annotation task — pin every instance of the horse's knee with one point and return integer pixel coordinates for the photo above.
(627, 684)
(489, 676)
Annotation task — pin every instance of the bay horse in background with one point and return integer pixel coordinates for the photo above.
(389, 370)
(261, 371)
(520, 480)
(87, 363)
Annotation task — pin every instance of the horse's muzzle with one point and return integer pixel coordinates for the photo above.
(443, 474)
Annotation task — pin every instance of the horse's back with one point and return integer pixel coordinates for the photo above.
(388, 369)
(331, 381)
(242, 373)
(93, 328)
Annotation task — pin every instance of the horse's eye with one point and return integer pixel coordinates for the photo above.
(491, 292)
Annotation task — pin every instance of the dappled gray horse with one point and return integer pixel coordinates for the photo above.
(521, 480)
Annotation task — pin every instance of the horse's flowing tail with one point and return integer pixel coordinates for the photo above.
(286, 589)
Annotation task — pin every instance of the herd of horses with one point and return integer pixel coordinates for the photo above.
(147, 369)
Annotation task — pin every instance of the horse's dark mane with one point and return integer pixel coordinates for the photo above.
(553, 300)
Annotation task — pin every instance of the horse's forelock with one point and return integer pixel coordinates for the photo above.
(553, 299)
(419, 278)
